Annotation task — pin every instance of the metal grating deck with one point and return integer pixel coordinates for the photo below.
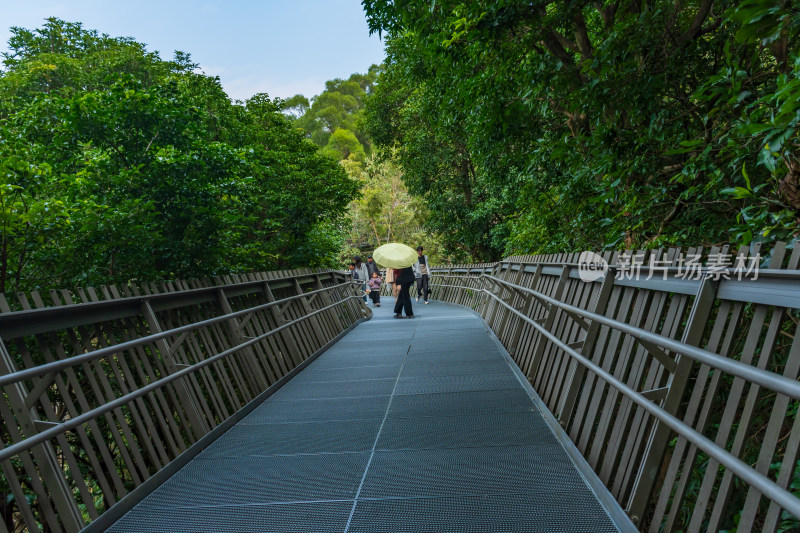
(403, 425)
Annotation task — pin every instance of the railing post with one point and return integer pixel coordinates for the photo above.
(199, 427)
(497, 311)
(327, 300)
(448, 291)
(316, 327)
(288, 338)
(659, 435)
(567, 408)
(460, 296)
(335, 283)
(515, 298)
(548, 323)
(530, 301)
(476, 284)
(487, 299)
(248, 355)
(488, 310)
(46, 462)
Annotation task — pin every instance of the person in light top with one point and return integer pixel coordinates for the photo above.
(361, 274)
(421, 273)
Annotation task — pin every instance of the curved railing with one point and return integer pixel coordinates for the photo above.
(681, 394)
(102, 396)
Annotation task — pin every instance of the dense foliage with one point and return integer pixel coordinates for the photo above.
(556, 126)
(334, 118)
(118, 165)
(384, 211)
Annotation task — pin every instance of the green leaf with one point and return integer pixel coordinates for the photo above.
(738, 193)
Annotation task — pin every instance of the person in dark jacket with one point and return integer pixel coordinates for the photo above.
(372, 267)
(405, 278)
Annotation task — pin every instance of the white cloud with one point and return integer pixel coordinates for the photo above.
(213, 70)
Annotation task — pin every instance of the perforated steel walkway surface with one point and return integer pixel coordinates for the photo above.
(403, 425)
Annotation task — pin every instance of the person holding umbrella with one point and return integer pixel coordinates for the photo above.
(405, 278)
(400, 257)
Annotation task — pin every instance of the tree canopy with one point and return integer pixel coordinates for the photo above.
(385, 211)
(334, 118)
(118, 165)
(557, 126)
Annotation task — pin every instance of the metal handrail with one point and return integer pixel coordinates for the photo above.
(154, 297)
(763, 484)
(765, 378)
(697, 273)
(56, 366)
(15, 449)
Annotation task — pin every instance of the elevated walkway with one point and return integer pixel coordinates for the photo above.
(403, 425)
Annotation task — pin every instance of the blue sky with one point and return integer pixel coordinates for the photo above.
(278, 47)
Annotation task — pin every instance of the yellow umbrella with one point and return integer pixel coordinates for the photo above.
(395, 255)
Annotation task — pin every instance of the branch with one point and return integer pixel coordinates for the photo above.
(608, 14)
(697, 24)
(565, 43)
(582, 35)
(780, 49)
(669, 169)
(375, 230)
(151, 142)
(669, 218)
(551, 41)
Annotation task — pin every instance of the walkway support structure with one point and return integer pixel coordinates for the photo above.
(679, 386)
(100, 396)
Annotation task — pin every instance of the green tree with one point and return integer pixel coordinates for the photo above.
(117, 165)
(385, 211)
(340, 107)
(343, 144)
(544, 126)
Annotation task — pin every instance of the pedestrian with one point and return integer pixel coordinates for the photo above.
(372, 267)
(389, 278)
(421, 274)
(360, 273)
(405, 278)
(353, 272)
(375, 289)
